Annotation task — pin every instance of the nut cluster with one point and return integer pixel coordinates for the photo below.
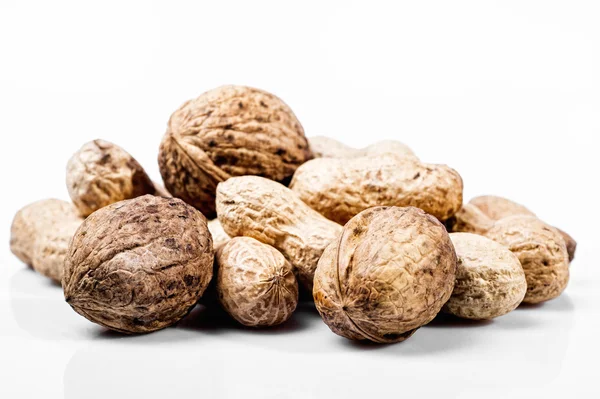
(378, 238)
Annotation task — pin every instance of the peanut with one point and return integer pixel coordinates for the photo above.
(490, 281)
(341, 188)
(260, 208)
(255, 283)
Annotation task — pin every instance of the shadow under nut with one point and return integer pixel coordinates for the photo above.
(390, 272)
(541, 251)
(139, 265)
(229, 131)
(255, 283)
(341, 188)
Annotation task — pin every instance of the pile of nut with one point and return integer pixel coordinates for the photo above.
(382, 240)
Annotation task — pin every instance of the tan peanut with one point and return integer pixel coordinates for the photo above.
(273, 214)
(389, 272)
(540, 248)
(40, 235)
(326, 147)
(218, 234)
(498, 207)
(340, 188)
(255, 283)
(490, 281)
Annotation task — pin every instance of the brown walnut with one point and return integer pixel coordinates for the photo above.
(390, 272)
(229, 131)
(139, 265)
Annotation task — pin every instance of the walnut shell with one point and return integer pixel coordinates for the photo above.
(390, 272)
(341, 188)
(255, 283)
(102, 173)
(40, 233)
(326, 147)
(271, 213)
(490, 281)
(229, 131)
(541, 251)
(497, 208)
(219, 236)
(139, 265)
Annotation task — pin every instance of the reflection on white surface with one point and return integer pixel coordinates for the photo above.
(208, 354)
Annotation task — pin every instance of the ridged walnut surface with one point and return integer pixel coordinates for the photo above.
(271, 213)
(219, 236)
(542, 253)
(341, 188)
(389, 273)
(326, 147)
(102, 173)
(255, 283)
(498, 207)
(139, 265)
(40, 235)
(229, 131)
(490, 281)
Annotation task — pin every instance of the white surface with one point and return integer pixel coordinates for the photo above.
(506, 92)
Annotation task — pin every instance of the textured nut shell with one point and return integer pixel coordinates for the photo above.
(139, 265)
(469, 219)
(255, 283)
(44, 227)
(569, 242)
(389, 273)
(51, 248)
(102, 173)
(326, 147)
(341, 188)
(229, 131)
(219, 236)
(271, 213)
(541, 251)
(389, 147)
(498, 207)
(490, 281)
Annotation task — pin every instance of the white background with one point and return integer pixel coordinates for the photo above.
(506, 92)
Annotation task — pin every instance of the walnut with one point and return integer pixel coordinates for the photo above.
(490, 281)
(102, 173)
(229, 131)
(390, 272)
(255, 283)
(139, 265)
